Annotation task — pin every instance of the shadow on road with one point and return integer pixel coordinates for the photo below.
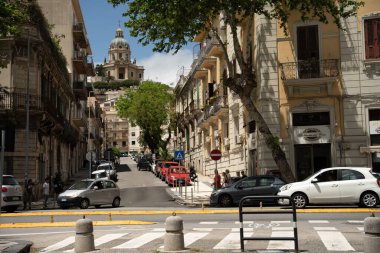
(123, 168)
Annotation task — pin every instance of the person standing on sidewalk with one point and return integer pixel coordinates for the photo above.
(28, 194)
(57, 185)
(45, 189)
(217, 184)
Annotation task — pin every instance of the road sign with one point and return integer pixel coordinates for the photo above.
(216, 154)
(90, 155)
(179, 155)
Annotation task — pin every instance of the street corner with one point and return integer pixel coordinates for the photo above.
(15, 246)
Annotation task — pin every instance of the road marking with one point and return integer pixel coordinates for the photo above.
(361, 228)
(231, 241)
(325, 228)
(244, 222)
(190, 238)
(281, 244)
(104, 239)
(139, 241)
(60, 245)
(356, 221)
(208, 222)
(335, 241)
(158, 230)
(280, 221)
(318, 221)
(283, 228)
(202, 229)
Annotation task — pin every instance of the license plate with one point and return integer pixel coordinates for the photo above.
(63, 199)
(16, 198)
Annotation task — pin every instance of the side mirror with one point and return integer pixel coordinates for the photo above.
(314, 180)
(96, 188)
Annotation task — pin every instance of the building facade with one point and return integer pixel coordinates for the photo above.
(42, 138)
(318, 92)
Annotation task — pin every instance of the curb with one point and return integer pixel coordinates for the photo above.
(16, 246)
(187, 203)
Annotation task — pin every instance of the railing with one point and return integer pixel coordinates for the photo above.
(310, 69)
(17, 101)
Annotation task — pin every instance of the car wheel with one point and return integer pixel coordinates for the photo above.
(116, 202)
(225, 200)
(369, 199)
(84, 203)
(300, 200)
(97, 206)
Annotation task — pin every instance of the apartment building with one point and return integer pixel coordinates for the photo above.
(317, 90)
(47, 136)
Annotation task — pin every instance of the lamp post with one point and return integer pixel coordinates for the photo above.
(27, 115)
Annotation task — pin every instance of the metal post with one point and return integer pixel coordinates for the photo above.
(26, 169)
(2, 159)
(192, 197)
(89, 169)
(185, 189)
(89, 135)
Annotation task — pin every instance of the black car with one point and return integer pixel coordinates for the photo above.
(248, 186)
(144, 164)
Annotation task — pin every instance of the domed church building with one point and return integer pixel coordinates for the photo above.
(119, 65)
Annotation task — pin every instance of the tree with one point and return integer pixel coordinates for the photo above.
(177, 22)
(148, 107)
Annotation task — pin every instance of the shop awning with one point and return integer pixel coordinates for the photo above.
(370, 149)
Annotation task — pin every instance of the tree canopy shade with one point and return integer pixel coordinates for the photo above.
(148, 107)
(170, 24)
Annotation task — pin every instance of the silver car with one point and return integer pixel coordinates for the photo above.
(11, 194)
(90, 192)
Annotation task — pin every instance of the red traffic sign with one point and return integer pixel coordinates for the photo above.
(216, 154)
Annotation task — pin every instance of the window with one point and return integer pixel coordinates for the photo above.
(372, 38)
(133, 143)
(124, 143)
(131, 74)
(109, 184)
(121, 76)
(114, 143)
(249, 183)
(133, 134)
(120, 56)
(140, 75)
(266, 181)
(351, 175)
(236, 124)
(328, 176)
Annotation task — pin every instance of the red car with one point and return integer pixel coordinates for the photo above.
(164, 168)
(177, 174)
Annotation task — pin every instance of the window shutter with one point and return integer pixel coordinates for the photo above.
(366, 42)
(376, 31)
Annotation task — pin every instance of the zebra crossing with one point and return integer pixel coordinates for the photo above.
(226, 237)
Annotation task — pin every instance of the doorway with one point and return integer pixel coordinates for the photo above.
(310, 158)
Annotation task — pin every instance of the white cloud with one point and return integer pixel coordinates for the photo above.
(165, 68)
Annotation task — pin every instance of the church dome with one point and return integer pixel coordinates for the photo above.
(119, 41)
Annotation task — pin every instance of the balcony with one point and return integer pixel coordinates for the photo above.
(90, 68)
(313, 72)
(80, 35)
(17, 101)
(79, 88)
(80, 62)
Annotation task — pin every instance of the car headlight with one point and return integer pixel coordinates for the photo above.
(285, 187)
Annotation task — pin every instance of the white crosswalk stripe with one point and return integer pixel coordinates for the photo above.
(335, 241)
(191, 238)
(60, 245)
(140, 241)
(281, 244)
(231, 241)
(104, 239)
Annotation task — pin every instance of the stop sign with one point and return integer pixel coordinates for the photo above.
(216, 154)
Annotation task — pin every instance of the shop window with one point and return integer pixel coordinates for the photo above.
(372, 38)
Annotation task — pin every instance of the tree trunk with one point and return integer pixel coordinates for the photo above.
(271, 142)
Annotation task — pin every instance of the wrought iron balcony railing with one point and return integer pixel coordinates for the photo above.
(310, 69)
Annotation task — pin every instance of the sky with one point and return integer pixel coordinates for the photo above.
(101, 21)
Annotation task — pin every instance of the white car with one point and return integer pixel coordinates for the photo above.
(339, 185)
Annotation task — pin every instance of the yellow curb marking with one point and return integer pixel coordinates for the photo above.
(72, 224)
(200, 211)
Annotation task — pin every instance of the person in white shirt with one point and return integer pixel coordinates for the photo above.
(45, 188)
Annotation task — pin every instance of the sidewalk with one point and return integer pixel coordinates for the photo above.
(196, 195)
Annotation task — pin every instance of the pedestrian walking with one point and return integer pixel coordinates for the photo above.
(228, 177)
(57, 185)
(217, 180)
(28, 194)
(224, 179)
(45, 189)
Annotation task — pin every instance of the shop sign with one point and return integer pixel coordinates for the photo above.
(374, 127)
(311, 134)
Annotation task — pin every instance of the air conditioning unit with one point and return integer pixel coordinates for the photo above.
(238, 139)
(226, 141)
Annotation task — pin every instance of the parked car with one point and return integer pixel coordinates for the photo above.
(90, 192)
(11, 194)
(110, 170)
(248, 186)
(164, 168)
(177, 175)
(338, 185)
(143, 164)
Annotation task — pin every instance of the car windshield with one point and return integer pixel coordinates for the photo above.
(104, 167)
(81, 185)
(375, 174)
(167, 165)
(9, 181)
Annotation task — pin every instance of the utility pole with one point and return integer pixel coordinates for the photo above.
(27, 114)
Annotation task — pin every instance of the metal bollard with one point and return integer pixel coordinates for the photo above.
(174, 240)
(84, 238)
(371, 234)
